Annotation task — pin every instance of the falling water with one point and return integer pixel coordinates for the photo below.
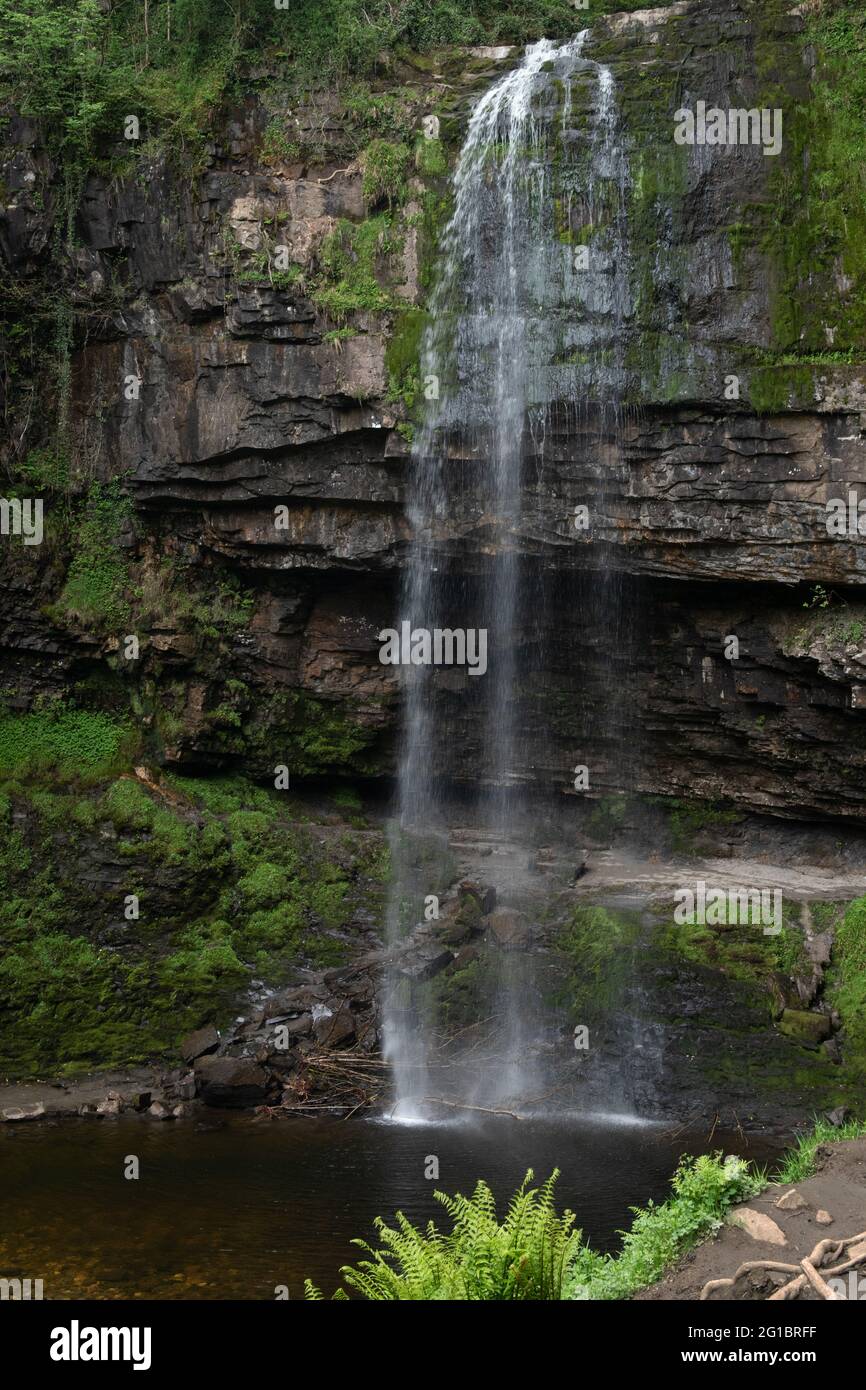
(528, 178)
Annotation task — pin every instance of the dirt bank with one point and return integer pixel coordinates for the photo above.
(837, 1190)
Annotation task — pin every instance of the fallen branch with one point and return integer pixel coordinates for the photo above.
(482, 1109)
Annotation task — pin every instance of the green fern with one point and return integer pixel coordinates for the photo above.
(527, 1256)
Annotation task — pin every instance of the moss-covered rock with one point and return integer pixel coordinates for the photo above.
(135, 912)
(807, 1028)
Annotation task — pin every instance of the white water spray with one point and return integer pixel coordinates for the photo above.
(526, 173)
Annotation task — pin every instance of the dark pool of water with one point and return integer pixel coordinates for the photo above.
(232, 1208)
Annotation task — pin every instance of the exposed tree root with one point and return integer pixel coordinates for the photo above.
(805, 1273)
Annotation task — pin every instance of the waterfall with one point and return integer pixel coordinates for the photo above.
(533, 175)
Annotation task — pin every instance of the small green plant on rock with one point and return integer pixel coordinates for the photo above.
(348, 259)
(277, 146)
(818, 598)
(96, 586)
(384, 166)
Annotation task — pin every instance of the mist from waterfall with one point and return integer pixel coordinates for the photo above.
(497, 354)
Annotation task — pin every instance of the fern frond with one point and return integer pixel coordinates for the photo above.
(529, 1255)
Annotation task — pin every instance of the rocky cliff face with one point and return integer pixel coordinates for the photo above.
(262, 315)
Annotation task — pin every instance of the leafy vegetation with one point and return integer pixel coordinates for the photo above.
(384, 165)
(847, 982)
(534, 1253)
(525, 1256)
(81, 68)
(95, 589)
(71, 744)
(348, 259)
(278, 147)
(391, 114)
(800, 1161)
(260, 895)
(211, 605)
(703, 1190)
(45, 470)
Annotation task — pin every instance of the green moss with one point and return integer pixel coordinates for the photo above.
(816, 234)
(194, 979)
(741, 951)
(847, 984)
(659, 184)
(774, 389)
(806, 1028)
(243, 890)
(384, 167)
(349, 259)
(63, 994)
(266, 885)
(458, 998)
(96, 586)
(689, 821)
(403, 356)
(128, 805)
(312, 737)
(71, 744)
(347, 799)
(404, 346)
(288, 904)
(597, 945)
(431, 160)
(158, 830)
(226, 795)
